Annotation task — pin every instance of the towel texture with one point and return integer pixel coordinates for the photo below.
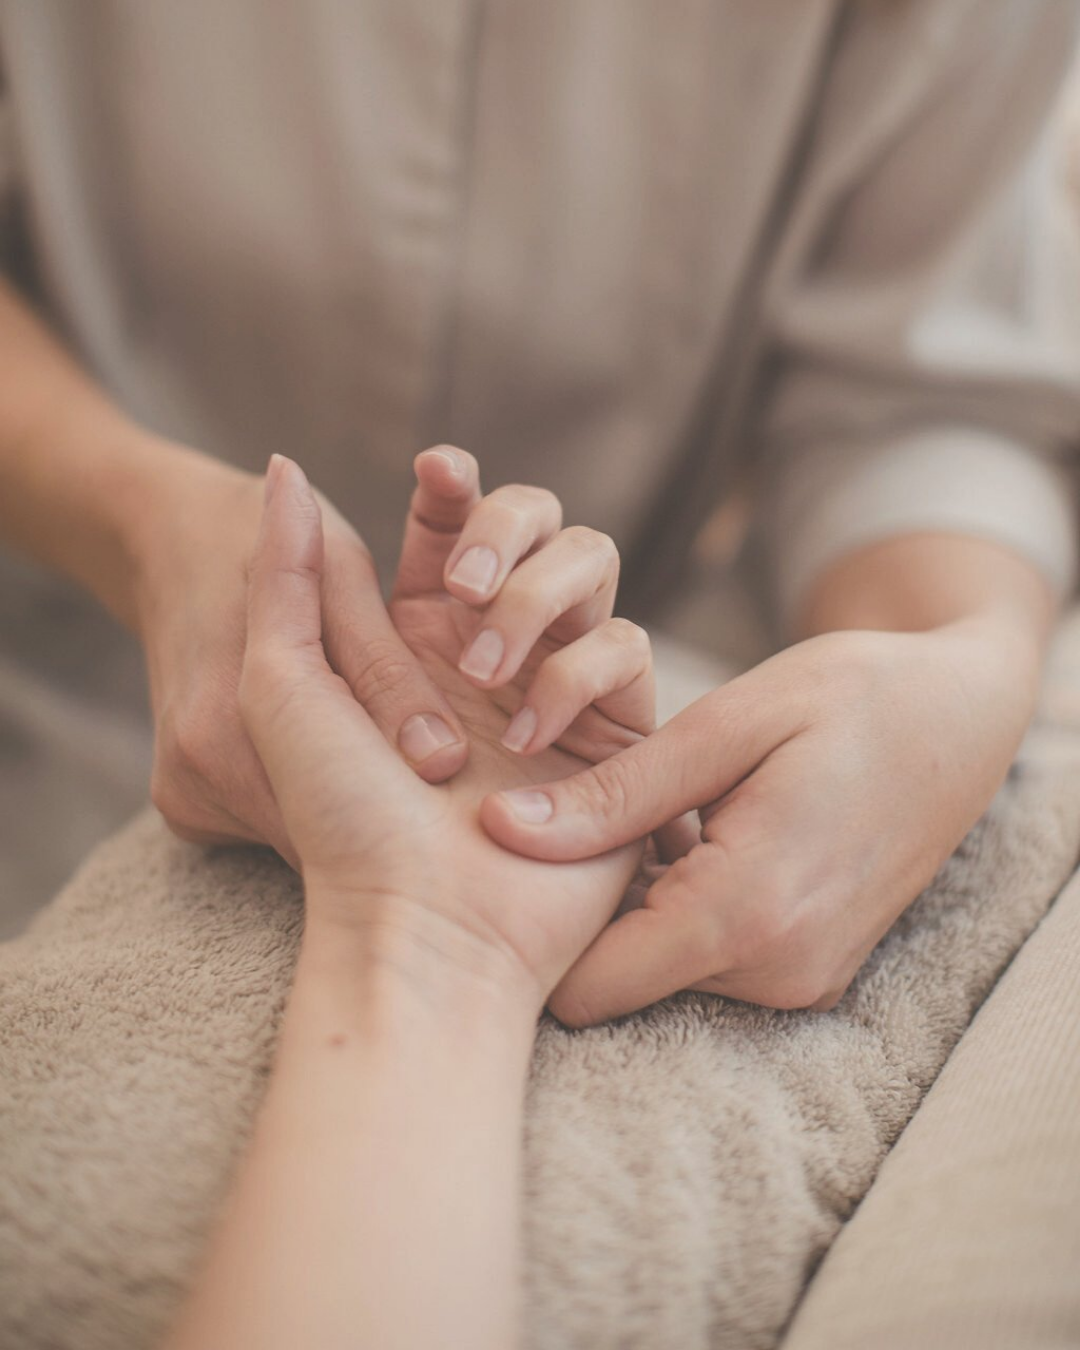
(686, 1168)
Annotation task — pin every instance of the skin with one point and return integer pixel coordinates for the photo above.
(161, 535)
(386, 1156)
(831, 783)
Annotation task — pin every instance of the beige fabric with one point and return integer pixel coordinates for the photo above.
(617, 247)
(970, 1235)
(686, 1168)
(614, 248)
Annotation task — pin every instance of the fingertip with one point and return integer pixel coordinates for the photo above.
(506, 818)
(566, 1006)
(520, 736)
(283, 472)
(443, 764)
(273, 473)
(434, 748)
(445, 470)
(290, 511)
(286, 568)
(498, 820)
(436, 462)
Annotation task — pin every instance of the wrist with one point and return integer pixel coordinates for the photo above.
(997, 655)
(169, 494)
(404, 954)
(112, 513)
(978, 595)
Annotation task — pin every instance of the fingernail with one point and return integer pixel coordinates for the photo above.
(481, 661)
(531, 808)
(422, 734)
(273, 473)
(449, 459)
(521, 730)
(475, 569)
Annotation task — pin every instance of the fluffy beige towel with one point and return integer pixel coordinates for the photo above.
(686, 1168)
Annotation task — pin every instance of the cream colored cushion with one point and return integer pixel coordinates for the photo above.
(971, 1234)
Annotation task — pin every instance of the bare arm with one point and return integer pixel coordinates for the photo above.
(917, 582)
(378, 1202)
(994, 608)
(76, 474)
(161, 535)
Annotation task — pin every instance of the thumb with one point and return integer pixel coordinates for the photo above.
(679, 937)
(285, 577)
(691, 761)
(291, 701)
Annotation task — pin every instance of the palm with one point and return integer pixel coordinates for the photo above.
(545, 912)
(360, 819)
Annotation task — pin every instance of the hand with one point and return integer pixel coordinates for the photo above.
(832, 783)
(492, 590)
(385, 855)
(207, 781)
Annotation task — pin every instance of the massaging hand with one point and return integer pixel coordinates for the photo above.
(493, 590)
(380, 847)
(832, 782)
(207, 779)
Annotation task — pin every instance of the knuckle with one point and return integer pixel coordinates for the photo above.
(766, 935)
(186, 739)
(538, 499)
(260, 674)
(521, 502)
(631, 637)
(173, 806)
(384, 673)
(593, 543)
(611, 789)
(689, 889)
(800, 989)
(558, 679)
(526, 604)
(771, 932)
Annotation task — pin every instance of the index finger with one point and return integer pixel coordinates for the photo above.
(692, 760)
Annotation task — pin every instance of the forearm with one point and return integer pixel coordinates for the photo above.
(986, 611)
(921, 582)
(78, 478)
(378, 1201)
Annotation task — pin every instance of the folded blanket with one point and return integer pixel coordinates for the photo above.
(686, 1168)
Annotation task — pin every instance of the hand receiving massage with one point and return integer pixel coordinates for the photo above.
(378, 1201)
(383, 848)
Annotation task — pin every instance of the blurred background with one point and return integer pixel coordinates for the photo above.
(73, 768)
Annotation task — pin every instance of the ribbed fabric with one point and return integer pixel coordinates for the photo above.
(971, 1234)
(952, 480)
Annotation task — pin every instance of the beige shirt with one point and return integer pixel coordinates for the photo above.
(631, 250)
